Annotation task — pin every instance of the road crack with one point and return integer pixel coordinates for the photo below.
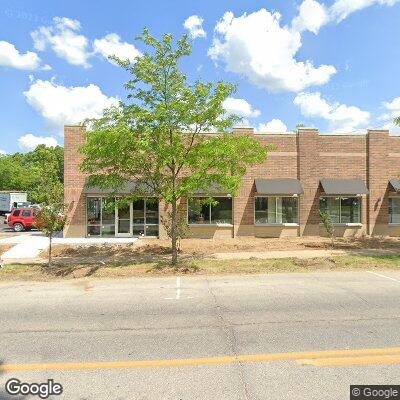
(229, 332)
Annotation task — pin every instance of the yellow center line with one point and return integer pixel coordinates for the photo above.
(304, 358)
(342, 361)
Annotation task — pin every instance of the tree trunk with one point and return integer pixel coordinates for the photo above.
(174, 233)
(50, 243)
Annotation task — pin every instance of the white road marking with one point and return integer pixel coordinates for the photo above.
(178, 291)
(383, 276)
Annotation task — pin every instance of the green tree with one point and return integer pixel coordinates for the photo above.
(159, 139)
(33, 171)
(328, 225)
(397, 121)
(51, 218)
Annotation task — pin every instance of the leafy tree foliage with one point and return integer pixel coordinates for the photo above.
(34, 172)
(159, 138)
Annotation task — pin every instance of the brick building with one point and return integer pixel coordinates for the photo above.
(352, 177)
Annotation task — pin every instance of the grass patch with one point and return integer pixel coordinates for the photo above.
(197, 266)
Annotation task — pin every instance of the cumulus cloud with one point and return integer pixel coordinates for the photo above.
(273, 126)
(312, 16)
(2, 152)
(240, 107)
(111, 44)
(64, 39)
(258, 47)
(194, 25)
(11, 57)
(341, 118)
(341, 9)
(392, 112)
(60, 105)
(30, 142)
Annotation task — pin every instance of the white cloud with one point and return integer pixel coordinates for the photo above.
(393, 107)
(341, 9)
(64, 39)
(30, 142)
(194, 24)
(2, 152)
(312, 15)
(341, 118)
(256, 46)
(60, 105)
(393, 111)
(11, 57)
(273, 126)
(111, 44)
(240, 107)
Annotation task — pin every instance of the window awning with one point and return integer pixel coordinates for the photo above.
(395, 184)
(344, 186)
(128, 188)
(213, 189)
(283, 186)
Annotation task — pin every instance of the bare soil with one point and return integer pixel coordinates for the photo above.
(4, 248)
(148, 250)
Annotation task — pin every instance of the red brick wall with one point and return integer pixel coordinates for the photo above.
(74, 181)
(307, 155)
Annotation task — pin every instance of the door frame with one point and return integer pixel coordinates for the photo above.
(123, 234)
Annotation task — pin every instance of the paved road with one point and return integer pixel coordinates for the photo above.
(204, 319)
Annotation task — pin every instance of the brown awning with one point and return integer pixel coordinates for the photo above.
(395, 184)
(344, 186)
(129, 187)
(284, 186)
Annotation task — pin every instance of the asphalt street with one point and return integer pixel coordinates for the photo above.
(99, 333)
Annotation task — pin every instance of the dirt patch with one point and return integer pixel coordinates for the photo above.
(5, 247)
(148, 250)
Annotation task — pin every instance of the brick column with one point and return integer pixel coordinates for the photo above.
(378, 148)
(74, 181)
(243, 203)
(307, 161)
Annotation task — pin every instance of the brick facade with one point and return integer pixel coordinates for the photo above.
(306, 155)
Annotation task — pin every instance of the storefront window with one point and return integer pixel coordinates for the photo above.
(201, 211)
(394, 210)
(342, 210)
(101, 217)
(275, 210)
(108, 217)
(93, 216)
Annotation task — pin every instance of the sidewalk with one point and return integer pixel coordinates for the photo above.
(28, 247)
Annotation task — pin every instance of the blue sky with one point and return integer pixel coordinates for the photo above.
(332, 64)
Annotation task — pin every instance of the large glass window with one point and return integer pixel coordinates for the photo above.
(145, 217)
(394, 210)
(108, 217)
(275, 210)
(93, 216)
(101, 215)
(218, 211)
(342, 210)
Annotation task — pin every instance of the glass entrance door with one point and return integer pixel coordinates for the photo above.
(123, 217)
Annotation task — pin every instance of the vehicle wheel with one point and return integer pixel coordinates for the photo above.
(18, 227)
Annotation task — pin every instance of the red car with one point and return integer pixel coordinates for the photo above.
(22, 219)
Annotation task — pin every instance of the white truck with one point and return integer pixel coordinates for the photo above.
(8, 200)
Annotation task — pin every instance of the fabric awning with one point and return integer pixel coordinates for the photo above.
(284, 186)
(395, 184)
(213, 189)
(128, 188)
(344, 186)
